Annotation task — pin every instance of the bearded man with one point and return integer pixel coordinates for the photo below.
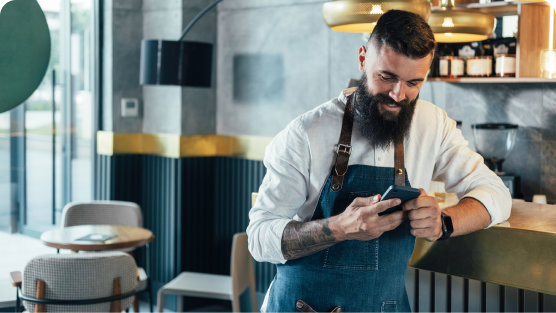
(317, 215)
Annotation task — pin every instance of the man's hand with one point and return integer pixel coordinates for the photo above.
(424, 216)
(359, 221)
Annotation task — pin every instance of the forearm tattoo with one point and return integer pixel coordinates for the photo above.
(301, 239)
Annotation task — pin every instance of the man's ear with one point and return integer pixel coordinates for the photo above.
(361, 58)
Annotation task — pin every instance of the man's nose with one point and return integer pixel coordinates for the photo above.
(397, 92)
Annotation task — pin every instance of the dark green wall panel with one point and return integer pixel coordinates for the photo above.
(192, 205)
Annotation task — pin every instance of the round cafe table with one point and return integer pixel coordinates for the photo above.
(101, 238)
(91, 237)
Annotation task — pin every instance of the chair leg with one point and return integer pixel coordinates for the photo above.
(150, 286)
(160, 301)
(135, 304)
(17, 305)
(179, 303)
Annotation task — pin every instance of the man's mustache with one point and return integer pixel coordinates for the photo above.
(383, 98)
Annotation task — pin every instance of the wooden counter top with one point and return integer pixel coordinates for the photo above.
(520, 252)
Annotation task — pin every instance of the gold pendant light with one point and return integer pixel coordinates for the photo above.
(451, 24)
(360, 16)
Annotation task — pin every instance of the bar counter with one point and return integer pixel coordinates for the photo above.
(520, 252)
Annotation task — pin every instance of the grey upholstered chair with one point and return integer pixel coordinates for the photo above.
(103, 212)
(78, 278)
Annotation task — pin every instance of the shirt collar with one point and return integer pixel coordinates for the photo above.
(346, 92)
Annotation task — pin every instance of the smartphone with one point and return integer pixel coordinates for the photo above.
(401, 192)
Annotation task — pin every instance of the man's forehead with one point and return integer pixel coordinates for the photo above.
(388, 60)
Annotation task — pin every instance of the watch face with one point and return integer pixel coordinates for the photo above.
(447, 226)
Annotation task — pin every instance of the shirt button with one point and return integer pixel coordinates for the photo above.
(380, 158)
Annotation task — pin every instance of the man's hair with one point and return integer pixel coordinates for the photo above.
(405, 32)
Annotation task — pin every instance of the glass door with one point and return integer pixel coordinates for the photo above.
(58, 119)
(5, 194)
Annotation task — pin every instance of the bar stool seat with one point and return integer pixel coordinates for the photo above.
(216, 286)
(197, 285)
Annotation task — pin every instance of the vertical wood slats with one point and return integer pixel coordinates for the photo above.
(192, 205)
(467, 295)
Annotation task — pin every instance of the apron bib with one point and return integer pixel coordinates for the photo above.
(356, 275)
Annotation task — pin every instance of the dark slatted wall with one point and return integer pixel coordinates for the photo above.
(197, 212)
(159, 199)
(435, 292)
(235, 180)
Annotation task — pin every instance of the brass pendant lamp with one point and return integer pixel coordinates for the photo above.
(451, 24)
(360, 16)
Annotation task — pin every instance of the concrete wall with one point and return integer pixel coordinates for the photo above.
(531, 106)
(174, 109)
(122, 40)
(163, 109)
(275, 59)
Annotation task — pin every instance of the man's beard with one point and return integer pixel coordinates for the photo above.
(381, 129)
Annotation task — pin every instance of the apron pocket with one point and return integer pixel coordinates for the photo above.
(352, 255)
(389, 306)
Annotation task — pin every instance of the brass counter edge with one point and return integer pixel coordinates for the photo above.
(176, 146)
(519, 258)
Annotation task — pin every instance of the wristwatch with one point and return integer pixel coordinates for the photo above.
(447, 226)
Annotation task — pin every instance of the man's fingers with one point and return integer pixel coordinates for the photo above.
(365, 201)
(422, 223)
(422, 201)
(386, 204)
(391, 221)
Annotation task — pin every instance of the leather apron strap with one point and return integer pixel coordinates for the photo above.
(399, 164)
(343, 152)
(343, 149)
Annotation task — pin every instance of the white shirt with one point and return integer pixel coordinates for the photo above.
(300, 158)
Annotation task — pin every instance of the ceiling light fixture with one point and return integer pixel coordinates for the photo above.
(360, 16)
(451, 24)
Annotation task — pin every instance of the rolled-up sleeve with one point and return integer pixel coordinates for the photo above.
(281, 194)
(465, 173)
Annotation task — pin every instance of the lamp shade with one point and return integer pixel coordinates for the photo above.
(360, 16)
(451, 24)
(169, 62)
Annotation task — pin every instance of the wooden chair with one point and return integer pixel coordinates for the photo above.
(89, 282)
(214, 286)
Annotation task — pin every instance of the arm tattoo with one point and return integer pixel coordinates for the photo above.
(301, 239)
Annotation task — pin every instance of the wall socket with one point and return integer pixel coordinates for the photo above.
(130, 107)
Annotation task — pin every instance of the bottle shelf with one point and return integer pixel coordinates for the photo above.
(492, 80)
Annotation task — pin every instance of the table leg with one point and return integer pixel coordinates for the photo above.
(149, 280)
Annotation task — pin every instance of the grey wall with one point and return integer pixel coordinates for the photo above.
(174, 109)
(277, 59)
(122, 39)
(163, 109)
(532, 106)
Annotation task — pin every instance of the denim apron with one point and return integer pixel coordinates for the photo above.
(356, 275)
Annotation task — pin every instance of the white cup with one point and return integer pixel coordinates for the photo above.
(539, 199)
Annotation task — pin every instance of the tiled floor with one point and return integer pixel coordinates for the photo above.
(15, 251)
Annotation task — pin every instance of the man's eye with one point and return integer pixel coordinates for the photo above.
(412, 84)
(387, 78)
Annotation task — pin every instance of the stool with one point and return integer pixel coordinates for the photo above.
(215, 286)
(199, 285)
